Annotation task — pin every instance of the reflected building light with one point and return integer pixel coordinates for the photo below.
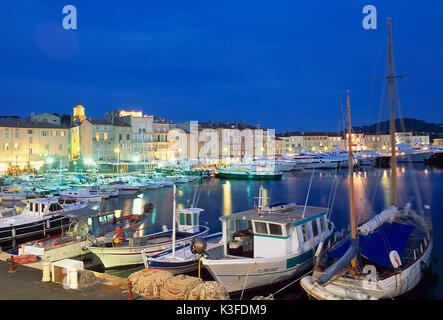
(227, 201)
(137, 206)
(265, 196)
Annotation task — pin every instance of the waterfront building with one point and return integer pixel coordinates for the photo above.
(438, 142)
(293, 141)
(160, 145)
(46, 117)
(32, 145)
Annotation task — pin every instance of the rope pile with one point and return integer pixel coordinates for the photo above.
(148, 283)
(153, 284)
(25, 259)
(175, 288)
(207, 290)
(86, 279)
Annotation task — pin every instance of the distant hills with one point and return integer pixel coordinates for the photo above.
(435, 130)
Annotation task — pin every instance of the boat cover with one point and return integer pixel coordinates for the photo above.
(77, 213)
(377, 245)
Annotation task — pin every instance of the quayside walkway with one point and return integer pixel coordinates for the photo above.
(25, 284)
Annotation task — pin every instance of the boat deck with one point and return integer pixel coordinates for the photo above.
(296, 213)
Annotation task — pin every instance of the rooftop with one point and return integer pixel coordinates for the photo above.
(28, 124)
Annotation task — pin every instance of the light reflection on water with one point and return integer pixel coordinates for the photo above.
(372, 194)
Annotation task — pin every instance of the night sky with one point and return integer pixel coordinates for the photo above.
(286, 64)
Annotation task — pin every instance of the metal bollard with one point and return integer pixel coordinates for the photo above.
(130, 290)
(11, 265)
(46, 272)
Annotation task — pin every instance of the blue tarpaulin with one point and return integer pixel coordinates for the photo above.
(377, 245)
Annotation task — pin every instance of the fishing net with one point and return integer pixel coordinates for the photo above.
(207, 290)
(148, 283)
(175, 288)
(86, 278)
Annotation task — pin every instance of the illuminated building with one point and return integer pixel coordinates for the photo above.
(31, 144)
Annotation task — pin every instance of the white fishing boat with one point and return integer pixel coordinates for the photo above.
(129, 251)
(40, 217)
(262, 248)
(183, 259)
(85, 229)
(386, 256)
(82, 194)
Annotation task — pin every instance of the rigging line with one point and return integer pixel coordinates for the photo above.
(410, 165)
(381, 48)
(307, 195)
(292, 282)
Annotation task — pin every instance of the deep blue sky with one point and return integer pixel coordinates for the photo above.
(286, 64)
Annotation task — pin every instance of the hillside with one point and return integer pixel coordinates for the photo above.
(435, 130)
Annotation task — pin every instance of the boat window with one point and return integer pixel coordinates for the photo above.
(322, 224)
(181, 218)
(188, 219)
(305, 232)
(314, 227)
(31, 207)
(275, 229)
(260, 227)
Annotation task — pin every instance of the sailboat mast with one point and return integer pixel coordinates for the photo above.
(173, 219)
(351, 180)
(392, 122)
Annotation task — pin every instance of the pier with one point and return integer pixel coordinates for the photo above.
(25, 284)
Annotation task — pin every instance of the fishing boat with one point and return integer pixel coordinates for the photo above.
(85, 229)
(129, 250)
(83, 194)
(262, 247)
(13, 194)
(184, 259)
(249, 171)
(40, 217)
(384, 257)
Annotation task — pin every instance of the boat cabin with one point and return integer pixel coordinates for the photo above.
(189, 220)
(40, 207)
(255, 234)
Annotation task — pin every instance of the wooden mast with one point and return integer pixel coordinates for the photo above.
(351, 180)
(391, 78)
(392, 122)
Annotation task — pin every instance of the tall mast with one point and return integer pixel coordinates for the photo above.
(173, 220)
(391, 98)
(351, 180)
(391, 78)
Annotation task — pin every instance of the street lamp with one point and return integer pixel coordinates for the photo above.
(117, 150)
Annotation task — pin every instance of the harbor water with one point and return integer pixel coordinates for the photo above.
(329, 188)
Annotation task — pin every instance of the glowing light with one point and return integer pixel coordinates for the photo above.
(116, 150)
(49, 160)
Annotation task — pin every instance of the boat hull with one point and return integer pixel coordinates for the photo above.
(248, 175)
(247, 273)
(345, 288)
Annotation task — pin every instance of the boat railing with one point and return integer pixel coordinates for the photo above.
(14, 233)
